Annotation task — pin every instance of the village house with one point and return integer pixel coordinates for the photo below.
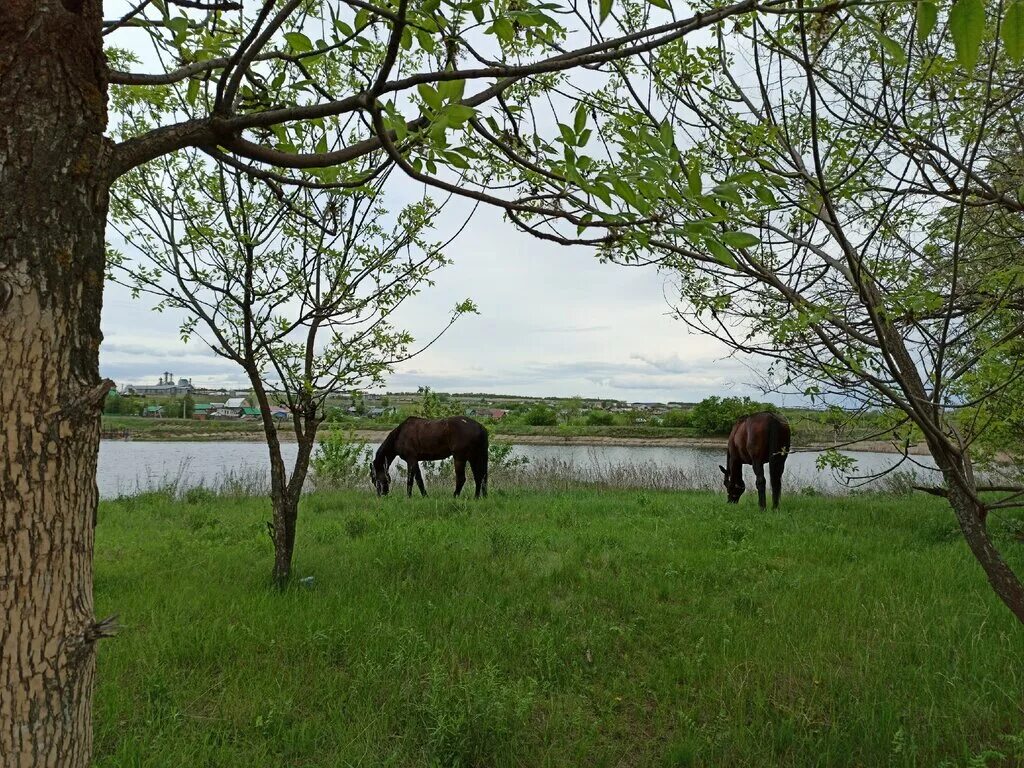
(233, 408)
(495, 414)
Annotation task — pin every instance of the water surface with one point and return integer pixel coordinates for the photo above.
(129, 467)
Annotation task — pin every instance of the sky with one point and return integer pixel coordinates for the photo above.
(553, 322)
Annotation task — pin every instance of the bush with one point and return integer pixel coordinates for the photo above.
(716, 415)
(500, 456)
(600, 419)
(676, 419)
(540, 416)
(341, 460)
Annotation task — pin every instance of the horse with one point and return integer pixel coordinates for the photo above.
(756, 439)
(416, 440)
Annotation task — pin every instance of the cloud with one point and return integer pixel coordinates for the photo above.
(554, 321)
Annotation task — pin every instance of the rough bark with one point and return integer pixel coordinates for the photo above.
(285, 492)
(53, 186)
(971, 516)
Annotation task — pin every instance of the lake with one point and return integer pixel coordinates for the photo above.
(130, 467)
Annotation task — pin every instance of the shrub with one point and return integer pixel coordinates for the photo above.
(500, 456)
(600, 419)
(676, 419)
(540, 416)
(340, 460)
(716, 415)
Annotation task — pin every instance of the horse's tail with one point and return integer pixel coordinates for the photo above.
(778, 443)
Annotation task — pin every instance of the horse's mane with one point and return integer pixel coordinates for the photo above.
(386, 452)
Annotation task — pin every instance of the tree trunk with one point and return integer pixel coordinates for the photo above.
(286, 513)
(53, 188)
(971, 517)
(962, 493)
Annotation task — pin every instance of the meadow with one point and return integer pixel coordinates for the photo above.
(559, 628)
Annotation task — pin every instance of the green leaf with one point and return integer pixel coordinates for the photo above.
(967, 25)
(456, 160)
(1013, 31)
(458, 114)
(927, 16)
(740, 239)
(765, 195)
(581, 119)
(298, 42)
(892, 49)
(604, 8)
(451, 90)
(504, 30)
(429, 95)
(693, 179)
(661, 4)
(425, 40)
(720, 252)
(193, 91)
(568, 137)
(666, 133)
(728, 192)
(179, 25)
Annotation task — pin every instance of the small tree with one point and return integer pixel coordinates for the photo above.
(540, 415)
(114, 403)
(435, 406)
(296, 289)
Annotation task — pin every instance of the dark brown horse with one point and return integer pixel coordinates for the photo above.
(756, 439)
(416, 440)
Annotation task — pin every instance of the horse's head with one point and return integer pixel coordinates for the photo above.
(380, 477)
(733, 489)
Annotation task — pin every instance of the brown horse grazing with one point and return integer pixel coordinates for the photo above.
(417, 440)
(756, 439)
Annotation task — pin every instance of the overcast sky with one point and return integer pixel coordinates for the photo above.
(553, 321)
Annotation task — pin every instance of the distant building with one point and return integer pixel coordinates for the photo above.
(233, 408)
(495, 414)
(166, 387)
(201, 411)
(153, 411)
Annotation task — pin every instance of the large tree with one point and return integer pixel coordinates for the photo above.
(834, 193)
(289, 91)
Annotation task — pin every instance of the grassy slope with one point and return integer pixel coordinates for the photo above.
(575, 629)
(806, 432)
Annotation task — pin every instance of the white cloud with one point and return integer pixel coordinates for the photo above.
(554, 321)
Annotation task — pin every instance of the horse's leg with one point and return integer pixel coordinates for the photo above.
(479, 476)
(460, 475)
(761, 485)
(775, 466)
(412, 468)
(419, 480)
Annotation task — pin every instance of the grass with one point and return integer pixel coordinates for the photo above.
(559, 629)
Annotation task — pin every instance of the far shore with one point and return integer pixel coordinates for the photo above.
(376, 436)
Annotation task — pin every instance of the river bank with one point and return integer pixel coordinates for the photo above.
(184, 431)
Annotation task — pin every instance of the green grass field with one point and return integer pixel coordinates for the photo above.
(572, 629)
